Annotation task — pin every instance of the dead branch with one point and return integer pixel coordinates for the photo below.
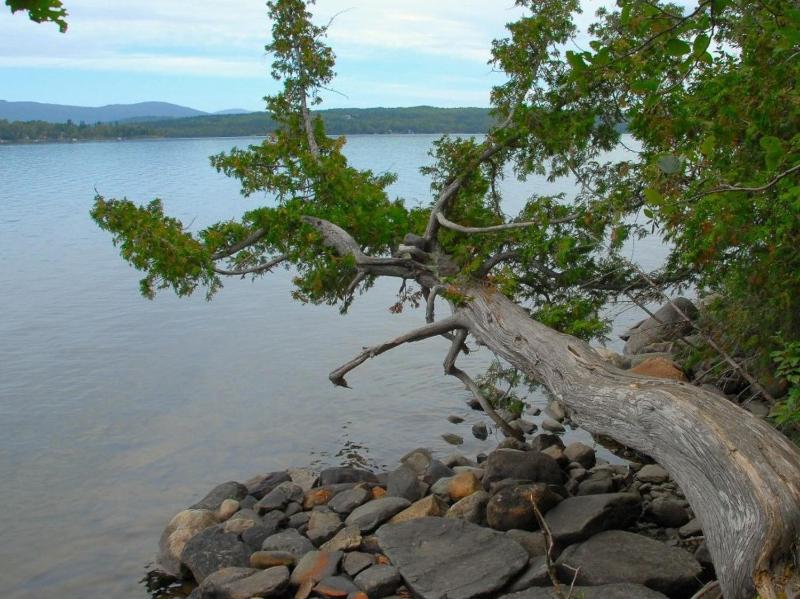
(448, 224)
(259, 268)
(246, 242)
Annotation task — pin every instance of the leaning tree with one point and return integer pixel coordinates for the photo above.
(710, 94)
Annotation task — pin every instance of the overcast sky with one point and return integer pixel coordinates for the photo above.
(209, 54)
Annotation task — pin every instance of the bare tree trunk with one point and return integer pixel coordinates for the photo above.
(741, 476)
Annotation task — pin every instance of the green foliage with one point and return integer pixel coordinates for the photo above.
(41, 11)
(497, 374)
(787, 359)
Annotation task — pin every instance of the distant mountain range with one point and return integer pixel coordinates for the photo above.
(60, 113)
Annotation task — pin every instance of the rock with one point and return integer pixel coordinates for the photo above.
(532, 466)
(259, 486)
(453, 439)
(323, 525)
(512, 443)
(757, 408)
(660, 368)
(374, 513)
(526, 426)
(213, 549)
(471, 508)
(255, 535)
(463, 484)
(213, 585)
(378, 581)
(437, 557)
(555, 452)
(335, 587)
(535, 574)
(606, 591)
(455, 460)
(474, 404)
(440, 487)
(580, 454)
(403, 482)
(436, 470)
(212, 501)
(305, 478)
(271, 559)
(666, 324)
(346, 501)
(356, 561)
(266, 583)
(227, 509)
(703, 556)
(280, 497)
(652, 473)
(552, 426)
(544, 440)
(346, 539)
(345, 474)
(668, 512)
(477, 471)
(596, 486)
(556, 411)
(378, 492)
(427, 506)
(315, 566)
(242, 521)
(290, 541)
(612, 357)
(533, 542)
(299, 520)
(512, 507)
(691, 529)
(578, 518)
(619, 556)
(418, 460)
(480, 431)
(639, 358)
(181, 528)
(455, 419)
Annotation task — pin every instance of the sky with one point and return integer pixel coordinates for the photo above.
(209, 54)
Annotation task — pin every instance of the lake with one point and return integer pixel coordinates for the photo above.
(117, 412)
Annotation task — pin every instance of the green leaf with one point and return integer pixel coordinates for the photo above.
(576, 61)
(773, 150)
(701, 43)
(652, 196)
(676, 47)
(646, 85)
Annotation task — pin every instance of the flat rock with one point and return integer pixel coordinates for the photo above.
(290, 541)
(281, 496)
(446, 558)
(660, 368)
(455, 419)
(436, 470)
(427, 506)
(471, 508)
(578, 518)
(357, 561)
(652, 473)
(255, 535)
(372, 514)
(379, 581)
(524, 426)
(463, 484)
(403, 482)
(533, 542)
(214, 499)
(261, 485)
(335, 587)
(556, 411)
(532, 466)
(665, 325)
(345, 474)
(607, 591)
(213, 549)
(270, 559)
(417, 459)
(265, 583)
(581, 454)
(552, 426)
(453, 439)
(346, 501)
(346, 539)
(323, 525)
(544, 440)
(668, 512)
(535, 574)
(691, 529)
(213, 584)
(315, 566)
(618, 556)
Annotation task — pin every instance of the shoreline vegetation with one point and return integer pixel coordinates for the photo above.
(340, 121)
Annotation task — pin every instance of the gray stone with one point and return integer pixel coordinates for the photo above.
(578, 518)
(345, 474)
(455, 460)
(299, 520)
(213, 584)
(449, 558)
(666, 324)
(212, 501)
(544, 440)
(259, 486)
(304, 477)
(372, 514)
(264, 583)
(691, 529)
(652, 473)
(472, 508)
(213, 549)
(323, 525)
(453, 439)
(524, 426)
(607, 591)
(177, 533)
(436, 470)
(535, 574)
(580, 454)
(552, 426)
(346, 501)
(513, 443)
(441, 488)
(480, 431)
(455, 419)
(316, 566)
(533, 542)
(378, 581)
(356, 561)
(596, 486)
(268, 526)
(668, 512)
(618, 556)
(511, 507)
(281, 496)
(290, 541)
(346, 539)
(417, 459)
(556, 411)
(403, 482)
(532, 466)
(334, 587)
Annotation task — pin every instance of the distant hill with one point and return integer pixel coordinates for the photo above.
(340, 121)
(60, 113)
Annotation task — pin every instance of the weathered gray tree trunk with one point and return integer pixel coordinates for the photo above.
(741, 477)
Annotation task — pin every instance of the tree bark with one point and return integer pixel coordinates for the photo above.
(740, 475)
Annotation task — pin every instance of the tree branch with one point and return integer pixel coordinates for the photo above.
(426, 332)
(448, 224)
(246, 242)
(766, 186)
(253, 269)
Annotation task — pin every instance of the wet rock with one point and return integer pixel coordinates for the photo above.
(323, 525)
(533, 466)
(652, 473)
(345, 474)
(379, 581)
(661, 368)
(668, 512)
(346, 539)
(455, 460)
(524, 426)
(212, 501)
(270, 559)
(544, 440)
(555, 452)
(346, 501)
(305, 478)
(474, 404)
(437, 557)
(617, 556)
(453, 439)
(533, 542)
(181, 528)
(260, 486)
(471, 508)
(552, 426)
(578, 518)
(280, 497)
(289, 541)
(580, 454)
(403, 482)
(435, 471)
(315, 566)
(535, 574)
(418, 460)
(427, 506)
(270, 524)
(374, 513)
(607, 591)
(357, 561)
(511, 508)
(213, 549)
(480, 431)
(463, 484)
(455, 419)
(335, 587)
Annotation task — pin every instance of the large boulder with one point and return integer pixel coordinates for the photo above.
(449, 558)
(177, 533)
(259, 486)
(472, 508)
(345, 474)
(618, 556)
(666, 324)
(660, 368)
(214, 499)
(578, 518)
(372, 514)
(511, 508)
(213, 549)
(230, 583)
(403, 482)
(606, 591)
(532, 466)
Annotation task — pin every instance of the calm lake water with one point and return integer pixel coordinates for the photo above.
(117, 412)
